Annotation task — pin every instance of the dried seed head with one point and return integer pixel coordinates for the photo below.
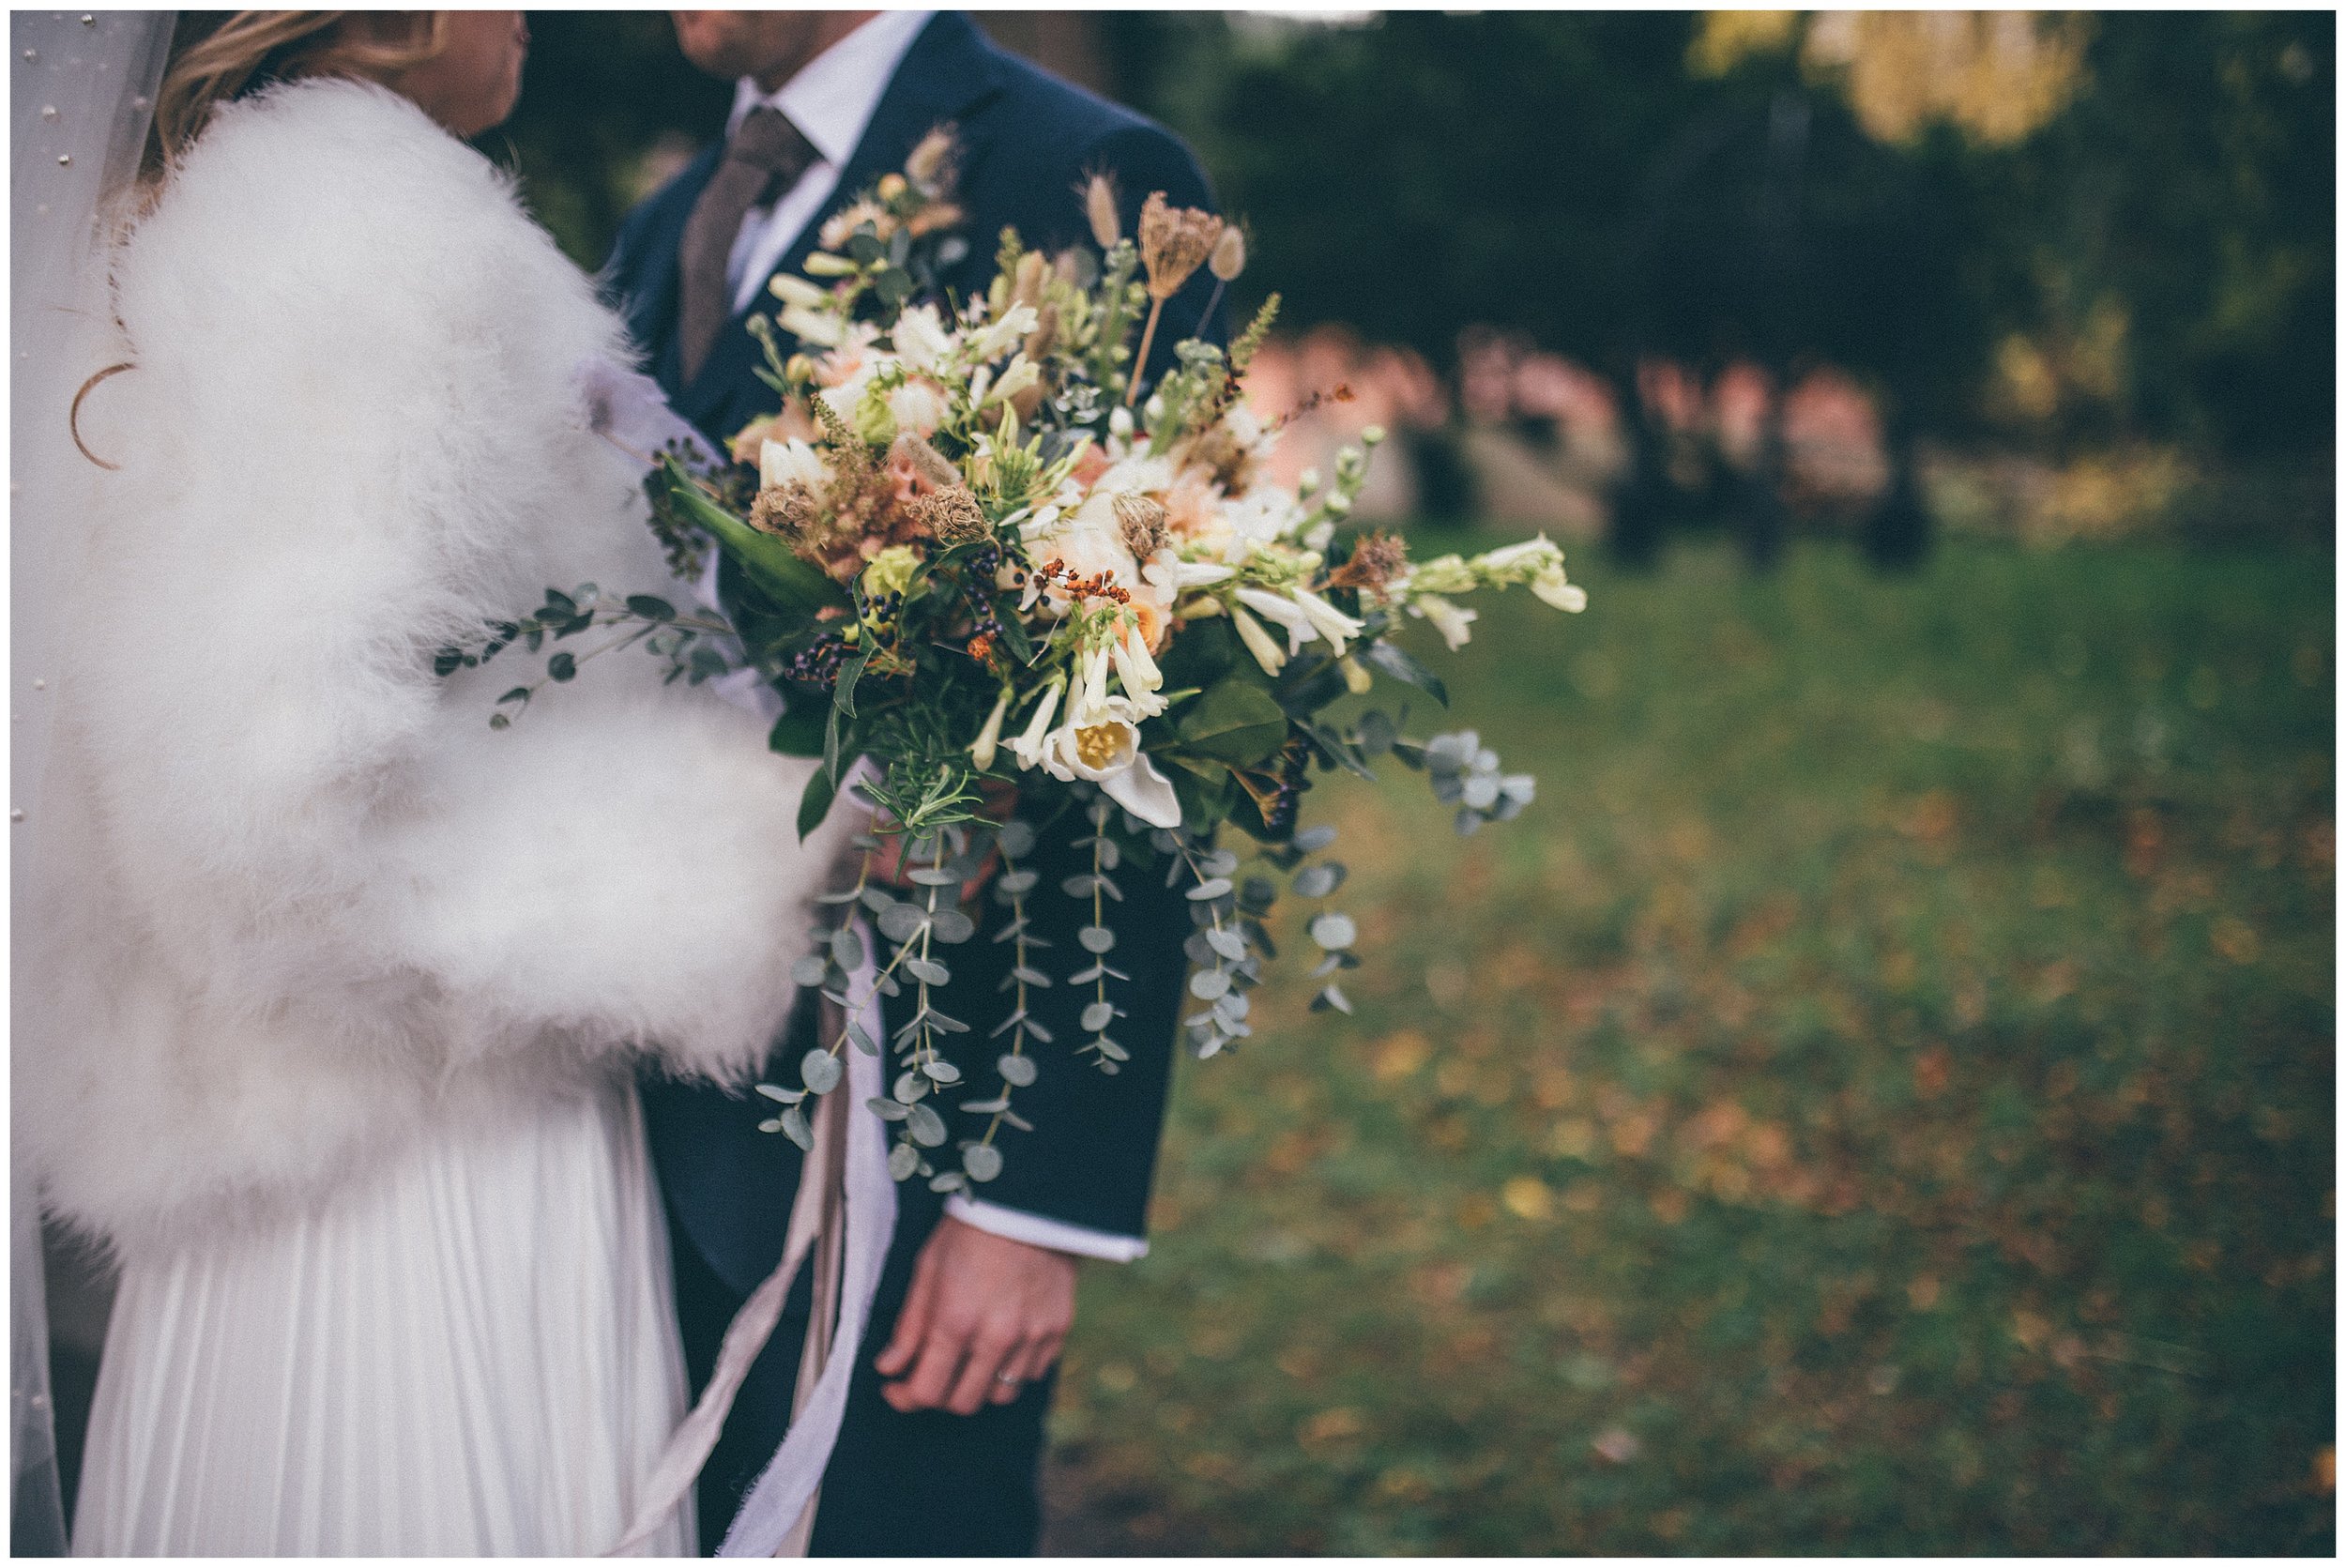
(1230, 255)
(1026, 284)
(1174, 243)
(1377, 559)
(932, 466)
(1038, 342)
(952, 516)
(786, 510)
(930, 165)
(1141, 521)
(1099, 207)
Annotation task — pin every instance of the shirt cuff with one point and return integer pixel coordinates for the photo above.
(1016, 1225)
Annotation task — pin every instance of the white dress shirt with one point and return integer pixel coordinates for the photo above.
(831, 101)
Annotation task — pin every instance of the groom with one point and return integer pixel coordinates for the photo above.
(941, 1447)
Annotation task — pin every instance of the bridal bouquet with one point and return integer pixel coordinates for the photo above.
(974, 551)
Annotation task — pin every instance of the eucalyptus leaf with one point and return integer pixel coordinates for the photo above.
(1206, 985)
(1096, 940)
(903, 1160)
(1318, 881)
(1016, 1071)
(952, 926)
(1384, 656)
(1333, 930)
(901, 922)
(1097, 1016)
(821, 1072)
(983, 1161)
(794, 1127)
(926, 1127)
(886, 1110)
(929, 971)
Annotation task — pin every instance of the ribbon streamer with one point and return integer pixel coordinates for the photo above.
(845, 1215)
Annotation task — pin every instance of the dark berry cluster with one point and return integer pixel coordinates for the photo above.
(1286, 799)
(817, 664)
(985, 628)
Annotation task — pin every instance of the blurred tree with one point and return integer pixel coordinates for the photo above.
(609, 108)
(2065, 229)
(2180, 228)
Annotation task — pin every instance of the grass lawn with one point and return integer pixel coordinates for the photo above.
(1879, 1099)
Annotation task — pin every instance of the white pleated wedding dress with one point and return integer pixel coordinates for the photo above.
(343, 1381)
(330, 995)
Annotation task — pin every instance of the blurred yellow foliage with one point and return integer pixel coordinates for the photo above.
(1527, 1198)
(1999, 75)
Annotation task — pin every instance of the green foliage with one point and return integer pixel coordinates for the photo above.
(1878, 1099)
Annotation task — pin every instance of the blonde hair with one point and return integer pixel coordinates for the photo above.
(218, 55)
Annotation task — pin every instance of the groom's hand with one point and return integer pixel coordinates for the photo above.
(981, 1309)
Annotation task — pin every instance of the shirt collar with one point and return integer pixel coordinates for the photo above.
(833, 96)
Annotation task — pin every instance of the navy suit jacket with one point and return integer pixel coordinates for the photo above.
(1028, 140)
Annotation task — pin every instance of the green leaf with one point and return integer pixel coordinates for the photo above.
(983, 1161)
(1236, 722)
(1384, 656)
(650, 608)
(842, 696)
(796, 589)
(561, 666)
(816, 803)
(799, 730)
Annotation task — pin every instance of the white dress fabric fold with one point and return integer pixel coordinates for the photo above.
(468, 1352)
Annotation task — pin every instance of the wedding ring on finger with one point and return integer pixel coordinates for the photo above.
(1008, 1379)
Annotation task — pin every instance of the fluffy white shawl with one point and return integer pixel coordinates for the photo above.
(314, 906)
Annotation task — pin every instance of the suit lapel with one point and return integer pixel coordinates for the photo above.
(652, 296)
(948, 71)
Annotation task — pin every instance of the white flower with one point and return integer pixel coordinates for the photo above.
(1029, 745)
(1287, 612)
(1144, 683)
(1091, 682)
(1334, 624)
(981, 749)
(811, 328)
(1021, 373)
(1258, 641)
(921, 338)
(1553, 589)
(1170, 572)
(918, 407)
(997, 340)
(1537, 550)
(792, 462)
(1103, 745)
(1448, 619)
(791, 289)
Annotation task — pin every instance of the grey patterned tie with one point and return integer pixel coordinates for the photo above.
(765, 158)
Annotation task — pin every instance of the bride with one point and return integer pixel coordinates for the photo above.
(338, 991)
